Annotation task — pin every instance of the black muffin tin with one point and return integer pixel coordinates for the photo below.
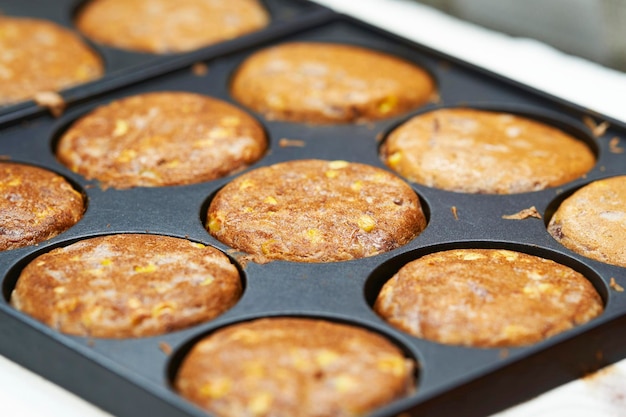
(133, 377)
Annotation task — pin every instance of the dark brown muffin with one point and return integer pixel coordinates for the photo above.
(39, 56)
(474, 151)
(163, 26)
(159, 139)
(35, 205)
(486, 298)
(128, 285)
(316, 211)
(284, 367)
(329, 83)
(592, 222)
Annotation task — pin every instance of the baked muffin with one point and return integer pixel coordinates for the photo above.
(592, 221)
(284, 367)
(475, 151)
(165, 26)
(329, 83)
(39, 56)
(127, 285)
(315, 211)
(486, 298)
(159, 139)
(35, 205)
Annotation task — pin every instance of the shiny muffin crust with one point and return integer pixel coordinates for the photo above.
(160, 139)
(316, 211)
(486, 298)
(475, 151)
(35, 205)
(165, 26)
(40, 56)
(592, 221)
(284, 367)
(329, 83)
(128, 285)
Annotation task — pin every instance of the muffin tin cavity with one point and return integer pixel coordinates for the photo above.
(36, 204)
(385, 271)
(321, 83)
(160, 139)
(591, 220)
(63, 59)
(124, 285)
(161, 27)
(286, 365)
(315, 211)
(486, 298)
(470, 150)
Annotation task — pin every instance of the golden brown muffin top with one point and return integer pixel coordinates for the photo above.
(592, 221)
(40, 56)
(316, 211)
(284, 367)
(329, 83)
(165, 26)
(35, 205)
(475, 151)
(487, 298)
(127, 285)
(160, 139)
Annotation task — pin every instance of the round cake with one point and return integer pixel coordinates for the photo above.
(316, 211)
(165, 26)
(475, 151)
(592, 221)
(486, 298)
(39, 56)
(35, 205)
(127, 285)
(160, 139)
(284, 367)
(329, 83)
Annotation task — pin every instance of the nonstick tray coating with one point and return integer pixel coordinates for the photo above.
(133, 377)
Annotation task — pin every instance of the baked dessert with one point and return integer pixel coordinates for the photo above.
(315, 211)
(592, 221)
(35, 205)
(40, 56)
(284, 367)
(160, 139)
(329, 83)
(486, 298)
(127, 285)
(165, 26)
(476, 151)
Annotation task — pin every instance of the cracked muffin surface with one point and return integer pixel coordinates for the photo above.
(38, 56)
(592, 221)
(35, 205)
(283, 367)
(329, 83)
(486, 298)
(476, 151)
(315, 211)
(161, 139)
(127, 285)
(164, 26)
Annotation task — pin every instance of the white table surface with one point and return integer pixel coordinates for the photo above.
(24, 394)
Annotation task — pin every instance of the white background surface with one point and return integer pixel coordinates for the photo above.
(24, 394)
